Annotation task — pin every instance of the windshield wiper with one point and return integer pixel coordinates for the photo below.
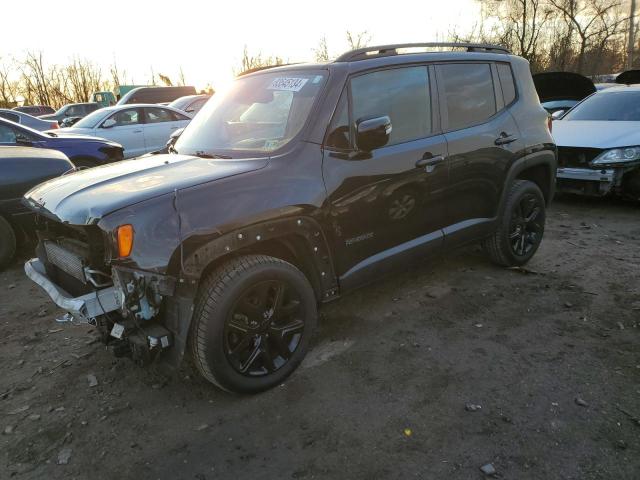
(202, 154)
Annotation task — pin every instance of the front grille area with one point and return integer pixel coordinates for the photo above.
(66, 250)
(66, 260)
(576, 157)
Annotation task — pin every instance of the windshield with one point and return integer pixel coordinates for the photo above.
(623, 106)
(91, 120)
(260, 113)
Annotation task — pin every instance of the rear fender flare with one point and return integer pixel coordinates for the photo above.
(542, 155)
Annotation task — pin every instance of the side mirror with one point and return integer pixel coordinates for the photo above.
(557, 114)
(108, 123)
(173, 138)
(373, 133)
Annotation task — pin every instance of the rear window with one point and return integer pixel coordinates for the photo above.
(469, 95)
(10, 116)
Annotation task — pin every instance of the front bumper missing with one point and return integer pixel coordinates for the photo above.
(586, 180)
(85, 307)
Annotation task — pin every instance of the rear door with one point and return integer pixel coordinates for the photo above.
(127, 131)
(386, 205)
(483, 141)
(159, 125)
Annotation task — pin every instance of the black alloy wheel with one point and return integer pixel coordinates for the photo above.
(264, 328)
(525, 232)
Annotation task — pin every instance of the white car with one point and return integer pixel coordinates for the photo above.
(138, 128)
(598, 144)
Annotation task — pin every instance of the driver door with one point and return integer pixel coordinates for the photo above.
(126, 128)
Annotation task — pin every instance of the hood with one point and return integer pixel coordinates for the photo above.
(62, 135)
(562, 86)
(86, 196)
(629, 77)
(596, 134)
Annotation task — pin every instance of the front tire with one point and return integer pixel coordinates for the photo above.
(253, 321)
(7, 243)
(520, 227)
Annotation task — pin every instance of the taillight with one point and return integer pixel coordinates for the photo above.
(54, 125)
(125, 240)
(550, 123)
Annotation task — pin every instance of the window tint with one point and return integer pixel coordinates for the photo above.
(339, 133)
(400, 93)
(7, 134)
(159, 115)
(127, 117)
(469, 94)
(506, 81)
(10, 116)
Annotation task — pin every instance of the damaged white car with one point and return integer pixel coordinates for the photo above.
(599, 144)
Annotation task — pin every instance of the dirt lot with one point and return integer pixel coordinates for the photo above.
(552, 358)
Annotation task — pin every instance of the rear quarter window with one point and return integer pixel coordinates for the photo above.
(506, 82)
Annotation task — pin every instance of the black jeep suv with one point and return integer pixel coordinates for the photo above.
(300, 183)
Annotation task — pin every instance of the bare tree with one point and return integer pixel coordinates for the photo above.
(321, 53)
(8, 87)
(358, 40)
(253, 62)
(592, 21)
(166, 80)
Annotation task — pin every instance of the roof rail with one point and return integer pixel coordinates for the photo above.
(387, 50)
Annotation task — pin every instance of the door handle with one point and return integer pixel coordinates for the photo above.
(505, 138)
(137, 131)
(429, 160)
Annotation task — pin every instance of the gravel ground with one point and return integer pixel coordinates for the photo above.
(432, 373)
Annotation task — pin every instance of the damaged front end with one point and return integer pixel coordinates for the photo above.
(599, 172)
(75, 267)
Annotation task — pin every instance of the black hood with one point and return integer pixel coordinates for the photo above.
(629, 77)
(86, 196)
(562, 86)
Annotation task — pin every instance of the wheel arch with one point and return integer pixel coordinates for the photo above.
(299, 241)
(538, 167)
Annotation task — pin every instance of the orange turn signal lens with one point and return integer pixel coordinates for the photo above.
(125, 240)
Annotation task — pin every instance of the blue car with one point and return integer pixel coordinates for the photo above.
(83, 151)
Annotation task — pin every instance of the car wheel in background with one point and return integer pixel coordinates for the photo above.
(521, 226)
(252, 324)
(7, 243)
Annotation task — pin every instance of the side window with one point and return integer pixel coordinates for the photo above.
(126, 117)
(339, 133)
(7, 134)
(75, 111)
(400, 93)
(159, 115)
(506, 81)
(10, 116)
(469, 95)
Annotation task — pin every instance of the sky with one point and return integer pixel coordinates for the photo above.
(206, 38)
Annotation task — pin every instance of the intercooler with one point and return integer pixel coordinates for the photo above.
(66, 260)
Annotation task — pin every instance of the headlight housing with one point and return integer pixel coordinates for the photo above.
(617, 156)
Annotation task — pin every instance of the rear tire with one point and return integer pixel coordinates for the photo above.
(253, 320)
(521, 226)
(7, 243)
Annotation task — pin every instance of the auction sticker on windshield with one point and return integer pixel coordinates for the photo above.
(287, 83)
